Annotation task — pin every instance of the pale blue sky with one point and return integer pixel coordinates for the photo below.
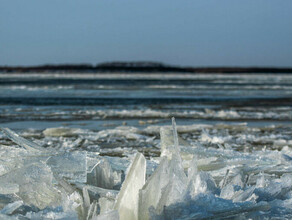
(195, 33)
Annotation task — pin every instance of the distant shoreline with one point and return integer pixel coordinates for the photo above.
(137, 67)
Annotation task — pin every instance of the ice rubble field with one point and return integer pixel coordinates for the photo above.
(178, 179)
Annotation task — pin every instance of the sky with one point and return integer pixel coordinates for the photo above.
(186, 33)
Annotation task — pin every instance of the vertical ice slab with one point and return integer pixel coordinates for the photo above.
(166, 140)
(102, 175)
(150, 194)
(128, 198)
(174, 190)
(168, 182)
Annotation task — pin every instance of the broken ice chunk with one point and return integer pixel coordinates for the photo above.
(150, 194)
(50, 214)
(201, 183)
(127, 201)
(244, 195)
(168, 183)
(29, 145)
(276, 189)
(103, 176)
(171, 194)
(261, 181)
(193, 168)
(166, 139)
(106, 204)
(71, 165)
(34, 185)
(11, 207)
(208, 206)
(59, 132)
(176, 186)
(8, 188)
(86, 199)
(112, 215)
(92, 162)
(97, 192)
(169, 142)
(92, 211)
(174, 131)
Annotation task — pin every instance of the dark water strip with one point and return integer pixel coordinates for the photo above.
(145, 82)
(243, 101)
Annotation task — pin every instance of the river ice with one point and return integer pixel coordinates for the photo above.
(193, 172)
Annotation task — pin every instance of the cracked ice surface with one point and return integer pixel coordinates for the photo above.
(202, 172)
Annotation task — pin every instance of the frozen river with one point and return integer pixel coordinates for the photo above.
(232, 157)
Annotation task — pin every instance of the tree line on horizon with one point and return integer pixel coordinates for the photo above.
(138, 67)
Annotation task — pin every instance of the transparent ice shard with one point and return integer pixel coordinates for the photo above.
(11, 207)
(244, 195)
(97, 192)
(86, 200)
(118, 164)
(29, 145)
(276, 189)
(70, 165)
(171, 194)
(112, 215)
(234, 189)
(6, 199)
(228, 191)
(193, 168)
(128, 198)
(208, 206)
(201, 183)
(168, 147)
(35, 185)
(74, 203)
(92, 161)
(106, 204)
(50, 214)
(92, 210)
(175, 189)
(168, 183)
(261, 181)
(8, 188)
(103, 176)
(150, 194)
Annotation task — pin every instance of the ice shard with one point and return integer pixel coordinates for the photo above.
(150, 194)
(201, 183)
(174, 190)
(59, 132)
(169, 141)
(70, 165)
(34, 183)
(11, 207)
(92, 210)
(102, 175)
(97, 192)
(112, 215)
(29, 145)
(128, 198)
(106, 204)
(168, 182)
